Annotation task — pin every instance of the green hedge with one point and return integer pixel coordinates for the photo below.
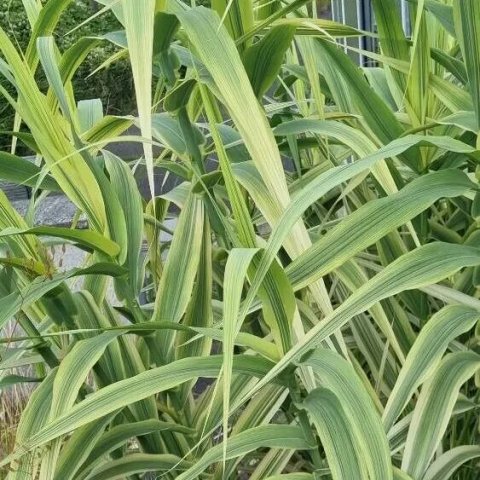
(113, 85)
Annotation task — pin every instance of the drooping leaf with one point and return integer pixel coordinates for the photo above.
(432, 412)
(447, 463)
(332, 423)
(355, 412)
(85, 238)
(125, 392)
(24, 172)
(426, 353)
(137, 463)
(279, 436)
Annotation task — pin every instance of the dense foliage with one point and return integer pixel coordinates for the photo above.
(113, 84)
(315, 311)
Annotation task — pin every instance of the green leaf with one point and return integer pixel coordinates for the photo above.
(372, 221)
(179, 96)
(85, 238)
(236, 16)
(139, 21)
(49, 58)
(392, 38)
(24, 172)
(38, 288)
(353, 94)
(11, 380)
(282, 11)
(318, 27)
(464, 120)
(131, 390)
(264, 59)
(447, 463)
(451, 64)
(29, 265)
(220, 56)
(425, 355)
(467, 26)
(419, 74)
(360, 417)
(78, 447)
(74, 56)
(400, 475)
(125, 186)
(292, 476)
(107, 128)
(434, 408)
(74, 369)
(166, 26)
(45, 23)
(199, 311)
(444, 14)
(32, 9)
(176, 283)
(268, 436)
(333, 426)
(120, 434)
(421, 267)
(321, 185)
(137, 463)
(238, 262)
(89, 113)
(166, 130)
(66, 165)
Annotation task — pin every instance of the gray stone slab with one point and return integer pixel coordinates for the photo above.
(54, 210)
(14, 192)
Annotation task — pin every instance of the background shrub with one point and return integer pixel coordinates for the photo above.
(113, 85)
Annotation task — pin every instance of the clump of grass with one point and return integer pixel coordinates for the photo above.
(315, 309)
(12, 404)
